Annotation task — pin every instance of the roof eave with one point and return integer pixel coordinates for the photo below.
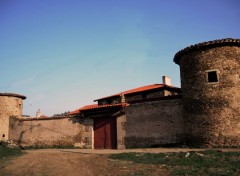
(111, 96)
(13, 95)
(204, 45)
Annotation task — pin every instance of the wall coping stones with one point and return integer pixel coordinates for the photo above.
(49, 118)
(205, 45)
(13, 95)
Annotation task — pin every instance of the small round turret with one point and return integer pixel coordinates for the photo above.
(210, 80)
(10, 105)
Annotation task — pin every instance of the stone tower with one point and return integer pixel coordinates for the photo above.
(210, 80)
(38, 113)
(10, 105)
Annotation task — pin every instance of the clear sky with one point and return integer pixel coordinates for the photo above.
(63, 54)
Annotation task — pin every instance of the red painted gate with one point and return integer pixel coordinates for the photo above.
(105, 133)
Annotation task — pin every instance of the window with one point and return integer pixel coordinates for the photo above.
(144, 96)
(212, 76)
(3, 135)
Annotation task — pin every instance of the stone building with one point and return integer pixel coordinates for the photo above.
(142, 117)
(210, 82)
(141, 94)
(205, 112)
(11, 106)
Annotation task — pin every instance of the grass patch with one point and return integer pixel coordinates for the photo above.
(194, 163)
(8, 152)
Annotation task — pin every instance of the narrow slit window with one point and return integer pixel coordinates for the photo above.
(212, 76)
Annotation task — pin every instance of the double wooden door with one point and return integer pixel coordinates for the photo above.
(105, 133)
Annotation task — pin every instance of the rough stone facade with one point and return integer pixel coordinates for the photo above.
(211, 108)
(154, 123)
(121, 131)
(10, 107)
(72, 131)
(207, 113)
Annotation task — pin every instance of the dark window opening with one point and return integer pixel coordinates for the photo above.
(212, 76)
(144, 96)
(3, 135)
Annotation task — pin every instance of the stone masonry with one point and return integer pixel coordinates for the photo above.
(154, 123)
(210, 81)
(207, 114)
(10, 107)
(58, 131)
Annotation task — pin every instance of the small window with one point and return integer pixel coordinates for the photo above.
(3, 135)
(212, 76)
(144, 96)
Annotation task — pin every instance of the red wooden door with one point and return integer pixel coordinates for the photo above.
(105, 133)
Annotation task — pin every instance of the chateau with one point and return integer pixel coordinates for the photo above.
(204, 112)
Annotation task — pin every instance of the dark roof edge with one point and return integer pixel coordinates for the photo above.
(13, 95)
(107, 106)
(122, 93)
(208, 44)
(111, 96)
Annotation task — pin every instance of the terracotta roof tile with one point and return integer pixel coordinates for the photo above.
(139, 89)
(83, 108)
(96, 106)
(220, 42)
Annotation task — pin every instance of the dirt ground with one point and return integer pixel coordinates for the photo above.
(73, 163)
(80, 162)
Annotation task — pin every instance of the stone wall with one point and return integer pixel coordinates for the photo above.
(9, 106)
(121, 131)
(154, 123)
(53, 132)
(212, 110)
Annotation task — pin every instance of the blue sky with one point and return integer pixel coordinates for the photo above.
(63, 54)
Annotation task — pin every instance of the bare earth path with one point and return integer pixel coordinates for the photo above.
(81, 162)
(73, 162)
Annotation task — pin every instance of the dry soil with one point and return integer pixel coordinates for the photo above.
(74, 163)
(80, 162)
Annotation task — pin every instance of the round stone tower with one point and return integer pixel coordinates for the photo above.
(10, 105)
(210, 80)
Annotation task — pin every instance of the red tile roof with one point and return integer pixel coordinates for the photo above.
(83, 108)
(74, 112)
(96, 106)
(139, 89)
